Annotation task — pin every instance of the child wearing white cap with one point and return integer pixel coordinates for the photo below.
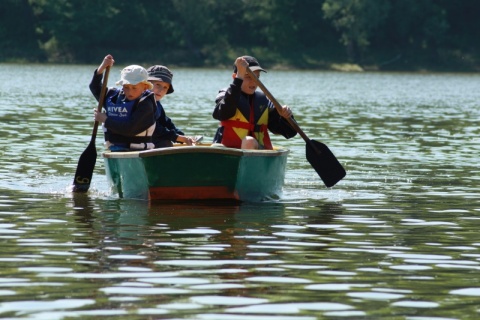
(129, 118)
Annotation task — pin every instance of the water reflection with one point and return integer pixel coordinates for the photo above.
(216, 259)
(131, 226)
(204, 247)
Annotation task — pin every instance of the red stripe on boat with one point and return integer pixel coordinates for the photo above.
(172, 193)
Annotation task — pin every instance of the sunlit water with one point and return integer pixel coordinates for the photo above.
(396, 239)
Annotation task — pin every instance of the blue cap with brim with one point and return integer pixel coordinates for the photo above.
(252, 63)
(161, 73)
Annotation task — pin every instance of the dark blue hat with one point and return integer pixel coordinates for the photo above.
(161, 73)
(252, 63)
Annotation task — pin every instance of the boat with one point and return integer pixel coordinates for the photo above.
(200, 172)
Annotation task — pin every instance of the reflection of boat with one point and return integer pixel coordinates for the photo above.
(197, 172)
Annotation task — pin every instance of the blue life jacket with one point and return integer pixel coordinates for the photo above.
(120, 109)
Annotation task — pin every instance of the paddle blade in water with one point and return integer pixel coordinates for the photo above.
(325, 163)
(85, 167)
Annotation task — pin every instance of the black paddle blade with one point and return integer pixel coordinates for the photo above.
(325, 163)
(85, 167)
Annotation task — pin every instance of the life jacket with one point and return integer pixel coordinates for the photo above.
(238, 127)
(120, 109)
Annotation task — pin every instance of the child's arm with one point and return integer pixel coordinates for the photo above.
(227, 101)
(107, 62)
(96, 82)
(278, 124)
(189, 141)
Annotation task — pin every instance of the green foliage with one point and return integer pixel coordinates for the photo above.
(357, 20)
(381, 34)
(18, 39)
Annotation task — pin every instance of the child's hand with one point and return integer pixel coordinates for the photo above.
(107, 62)
(99, 116)
(241, 65)
(189, 141)
(286, 112)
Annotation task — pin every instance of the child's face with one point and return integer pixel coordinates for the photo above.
(134, 91)
(248, 85)
(160, 89)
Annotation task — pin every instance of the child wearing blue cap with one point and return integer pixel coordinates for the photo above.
(246, 115)
(165, 131)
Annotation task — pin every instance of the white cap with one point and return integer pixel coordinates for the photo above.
(133, 74)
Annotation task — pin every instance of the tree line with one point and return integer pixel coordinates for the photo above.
(316, 34)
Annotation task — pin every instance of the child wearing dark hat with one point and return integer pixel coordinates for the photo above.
(165, 131)
(129, 118)
(246, 115)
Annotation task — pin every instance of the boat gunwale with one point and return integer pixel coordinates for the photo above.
(205, 148)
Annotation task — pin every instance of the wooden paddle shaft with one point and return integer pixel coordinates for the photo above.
(277, 105)
(100, 101)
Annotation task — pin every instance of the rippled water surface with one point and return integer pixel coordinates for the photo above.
(396, 239)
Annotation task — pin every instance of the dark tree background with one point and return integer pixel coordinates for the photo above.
(439, 35)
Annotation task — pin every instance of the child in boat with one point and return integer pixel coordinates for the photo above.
(245, 114)
(165, 131)
(129, 118)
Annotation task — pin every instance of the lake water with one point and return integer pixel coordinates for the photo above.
(396, 239)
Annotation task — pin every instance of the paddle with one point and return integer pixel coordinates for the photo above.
(87, 160)
(318, 154)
